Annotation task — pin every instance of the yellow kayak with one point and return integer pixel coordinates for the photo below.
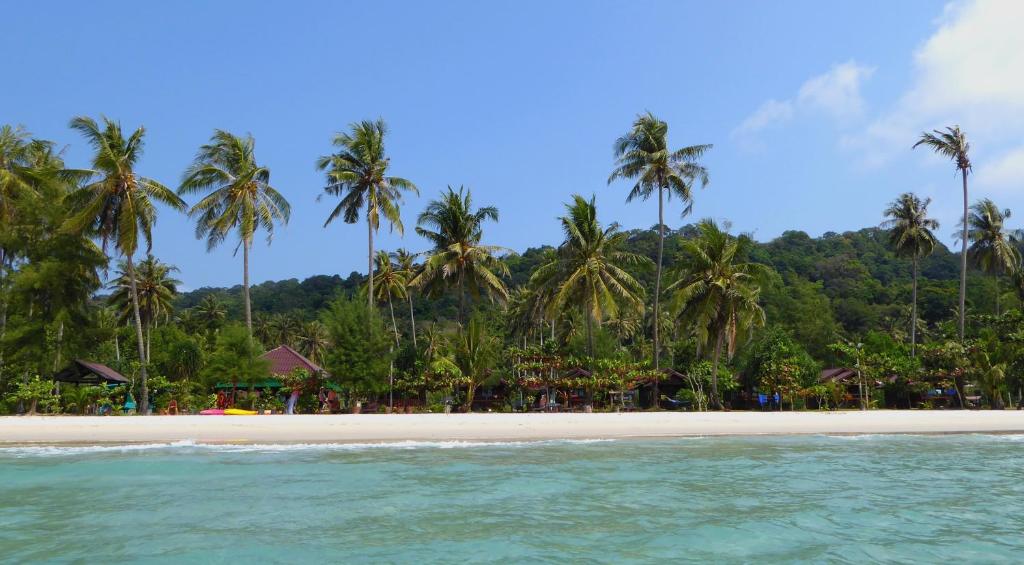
(239, 412)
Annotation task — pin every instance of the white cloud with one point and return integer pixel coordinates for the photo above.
(1004, 173)
(835, 93)
(769, 113)
(970, 72)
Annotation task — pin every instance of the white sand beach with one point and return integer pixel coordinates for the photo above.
(58, 430)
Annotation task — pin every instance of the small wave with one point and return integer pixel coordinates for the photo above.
(190, 445)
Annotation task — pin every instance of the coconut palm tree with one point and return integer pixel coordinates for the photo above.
(240, 198)
(405, 261)
(643, 155)
(116, 203)
(993, 249)
(157, 289)
(475, 352)
(459, 259)
(589, 270)
(716, 292)
(358, 174)
(211, 313)
(953, 144)
(388, 283)
(314, 340)
(911, 235)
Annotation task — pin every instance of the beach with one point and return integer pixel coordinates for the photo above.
(490, 427)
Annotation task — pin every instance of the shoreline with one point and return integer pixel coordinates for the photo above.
(42, 431)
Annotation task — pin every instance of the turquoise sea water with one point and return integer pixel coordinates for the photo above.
(780, 499)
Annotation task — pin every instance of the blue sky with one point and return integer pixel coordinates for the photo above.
(812, 106)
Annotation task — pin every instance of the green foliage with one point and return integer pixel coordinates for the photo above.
(361, 356)
(36, 394)
(236, 359)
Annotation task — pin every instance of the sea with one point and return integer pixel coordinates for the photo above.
(838, 499)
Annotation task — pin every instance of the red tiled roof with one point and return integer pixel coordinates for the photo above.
(284, 360)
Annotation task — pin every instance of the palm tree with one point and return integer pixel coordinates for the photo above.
(716, 292)
(389, 283)
(240, 197)
(314, 340)
(211, 312)
(116, 203)
(992, 249)
(475, 353)
(406, 263)
(458, 258)
(643, 155)
(910, 234)
(588, 271)
(953, 144)
(156, 288)
(357, 174)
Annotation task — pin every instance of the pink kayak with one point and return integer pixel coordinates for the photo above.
(212, 412)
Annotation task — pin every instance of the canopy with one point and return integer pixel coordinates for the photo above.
(86, 372)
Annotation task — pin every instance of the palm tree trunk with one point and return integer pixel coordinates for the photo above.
(369, 261)
(149, 335)
(394, 324)
(996, 276)
(143, 376)
(3, 309)
(117, 348)
(657, 290)
(963, 261)
(913, 311)
(462, 299)
(245, 285)
(412, 318)
(715, 400)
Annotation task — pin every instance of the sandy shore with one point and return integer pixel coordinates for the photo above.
(56, 430)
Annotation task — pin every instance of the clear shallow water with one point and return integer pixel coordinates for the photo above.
(780, 499)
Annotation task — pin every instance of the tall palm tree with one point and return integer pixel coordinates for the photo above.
(459, 259)
(643, 155)
(389, 283)
(116, 203)
(358, 174)
(405, 261)
(953, 144)
(716, 292)
(992, 248)
(240, 197)
(589, 270)
(156, 288)
(911, 235)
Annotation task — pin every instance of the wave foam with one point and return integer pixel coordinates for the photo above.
(190, 445)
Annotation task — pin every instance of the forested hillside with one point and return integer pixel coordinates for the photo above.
(825, 288)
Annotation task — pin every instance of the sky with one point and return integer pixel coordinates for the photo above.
(812, 107)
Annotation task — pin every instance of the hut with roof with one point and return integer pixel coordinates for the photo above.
(81, 371)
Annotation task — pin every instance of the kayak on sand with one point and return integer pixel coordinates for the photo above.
(239, 412)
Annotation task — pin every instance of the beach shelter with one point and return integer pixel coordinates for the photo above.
(283, 360)
(86, 372)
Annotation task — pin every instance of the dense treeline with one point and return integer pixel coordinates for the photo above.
(601, 311)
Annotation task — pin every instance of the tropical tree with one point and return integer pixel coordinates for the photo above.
(475, 353)
(116, 204)
(405, 262)
(157, 289)
(240, 197)
(459, 259)
(388, 283)
(211, 313)
(953, 144)
(911, 235)
(589, 269)
(358, 174)
(716, 292)
(314, 340)
(643, 155)
(993, 249)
